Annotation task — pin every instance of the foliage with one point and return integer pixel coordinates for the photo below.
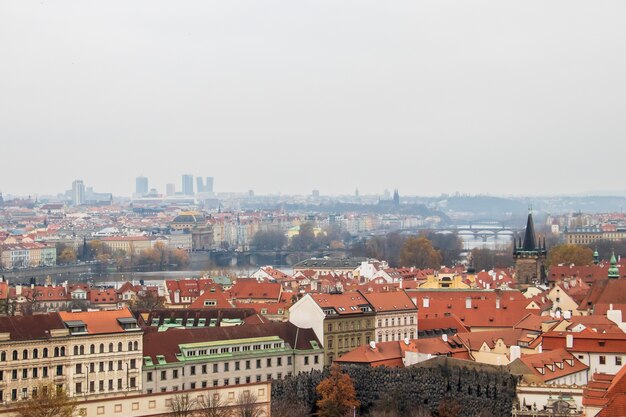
(417, 391)
(49, 401)
(247, 405)
(147, 300)
(419, 252)
(381, 247)
(289, 403)
(338, 396)
(570, 254)
(448, 408)
(212, 405)
(449, 246)
(65, 254)
(305, 239)
(181, 405)
(269, 240)
(486, 259)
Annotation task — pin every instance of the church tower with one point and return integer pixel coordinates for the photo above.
(530, 256)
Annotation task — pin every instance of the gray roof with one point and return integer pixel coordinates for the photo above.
(330, 263)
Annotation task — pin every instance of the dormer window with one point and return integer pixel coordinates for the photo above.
(128, 323)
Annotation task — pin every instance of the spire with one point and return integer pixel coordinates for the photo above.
(596, 257)
(613, 269)
(530, 240)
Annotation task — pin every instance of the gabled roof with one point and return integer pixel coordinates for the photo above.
(168, 343)
(31, 327)
(213, 296)
(389, 301)
(553, 364)
(343, 304)
(100, 322)
(245, 289)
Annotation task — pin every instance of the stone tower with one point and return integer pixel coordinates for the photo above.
(530, 256)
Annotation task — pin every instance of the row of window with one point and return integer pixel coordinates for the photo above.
(132, 383)
(226, 367)
(392, 336)
(31, 373)
(102, 366)
(347, 342)
(60, 351)
(225, 382)
(407, 321)
(351, 325)
(233, 349)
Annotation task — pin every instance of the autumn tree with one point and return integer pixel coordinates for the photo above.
(305, 239)
(269, 240)
(147, 301)
(338, 396)
(65, 254)
(449, 408)
(570, 254)
(47, 401)
(419, 252)
(449, 246)
(181, 405)
(486, 259)
(212, 405)
(247, 405)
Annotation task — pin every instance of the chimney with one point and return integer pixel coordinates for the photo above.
(558, 314)
(425, 302)
(567, 314)
(468, 302)
(569, 341)
(540, 349)
(515, 352)
(498, 303)
(444, 337)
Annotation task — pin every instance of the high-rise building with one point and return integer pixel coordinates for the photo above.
(141, 186)
(208, 187)
(170, 190)
(78, 192)
(187, 184)
(199, 184)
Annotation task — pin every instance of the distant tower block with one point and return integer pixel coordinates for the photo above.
(141, 186)
(170, 190)
(530, 256)
(187, 184)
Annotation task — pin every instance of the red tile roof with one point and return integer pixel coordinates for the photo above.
(553, 364)
(99, 322)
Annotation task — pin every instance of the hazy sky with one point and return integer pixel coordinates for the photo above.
(515, 97)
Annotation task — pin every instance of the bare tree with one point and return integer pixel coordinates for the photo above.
(181, 405)
(47, 401)
(247, 406)
(212, 405)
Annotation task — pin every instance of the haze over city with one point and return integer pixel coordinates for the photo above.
(280, 96)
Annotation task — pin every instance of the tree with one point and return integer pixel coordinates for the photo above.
(247, 405)
(486, 259)
(449, 246)
(305, 239)
(269, 240)
(181, 405)
(338, 396)
(449, 408)
(212, 405)
(47, 401)
(419, 252)
(570, 254)
(65, 254)
(147, 300)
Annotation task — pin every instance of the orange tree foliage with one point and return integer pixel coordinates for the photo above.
(570, 254)
(419, 252)
(338, 396)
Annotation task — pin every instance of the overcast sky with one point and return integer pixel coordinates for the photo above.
(500, 97)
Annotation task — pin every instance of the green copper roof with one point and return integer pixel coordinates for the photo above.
(613, 270)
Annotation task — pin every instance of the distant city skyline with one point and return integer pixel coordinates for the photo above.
(484, 97)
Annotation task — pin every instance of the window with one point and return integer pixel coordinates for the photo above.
(110, 385)
(3, 356)
(237, 381)
(330, 327)
(236, 365)
(316, 359)
(269, 377)
(133, 382)
(101, 348)
(226, 366)
(618, 360)
(204, 369)
(79, 387)
(14, 374)
(602, 360)
(119, 383)
(288, 360)
(92, 349)
(149, 376)
(101, 367)
(192, 370)
(110, 347)
(59, 370)
(258, 378)
(215, 382)
(279, 361)
(79, 368)
(174, 373)
(110, 365)
(24, 373)
(163, 375)
(306, 360)
(119, 365)
(258, 363)
(15, 354)
(247, 364)
(119, 347)
(101, 386)
(269, 362)
(44, 372)
(133, 364)
(215, 368)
